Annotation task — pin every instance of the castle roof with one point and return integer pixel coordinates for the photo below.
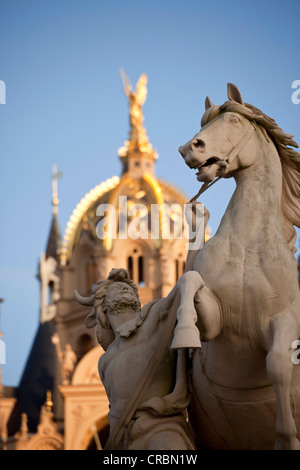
(39, 376)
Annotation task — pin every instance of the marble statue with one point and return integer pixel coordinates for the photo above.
(129, 334)
(68, 363)
(236, 308)
(243, 290)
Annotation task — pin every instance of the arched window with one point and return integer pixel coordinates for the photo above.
(130, 266)
(136, 267)
(84, 344)
(141, 270)
(91, 274)
(176, 269)
(50, 293)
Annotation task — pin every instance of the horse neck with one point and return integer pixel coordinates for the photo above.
(255, 207)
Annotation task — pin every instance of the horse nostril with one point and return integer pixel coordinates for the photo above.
(181, 151)
(198, 144)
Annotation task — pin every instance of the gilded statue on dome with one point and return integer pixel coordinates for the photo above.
(136, 99)
(138, 138)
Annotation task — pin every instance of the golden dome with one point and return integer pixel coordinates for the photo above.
(137, 184)
(141, 192)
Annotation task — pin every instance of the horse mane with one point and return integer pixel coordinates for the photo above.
(289, 158)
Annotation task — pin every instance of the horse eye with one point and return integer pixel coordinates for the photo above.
(234, 119)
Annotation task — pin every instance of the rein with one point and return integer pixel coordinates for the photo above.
(229, 159)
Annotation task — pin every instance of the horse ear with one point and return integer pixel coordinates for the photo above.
(234, 93)
(208, 103)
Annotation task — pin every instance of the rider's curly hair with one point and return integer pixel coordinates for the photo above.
(115, 275)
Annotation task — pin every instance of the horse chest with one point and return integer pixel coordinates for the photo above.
(244, 278)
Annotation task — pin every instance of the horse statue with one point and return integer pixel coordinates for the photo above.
(241, 288)
(236, 308)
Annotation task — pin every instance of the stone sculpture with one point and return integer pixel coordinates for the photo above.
(129, 335)
(67, 359)
(68, 363)
(237, 305)
(245, 288)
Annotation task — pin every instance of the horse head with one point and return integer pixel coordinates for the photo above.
(225, 145)
(220, 147)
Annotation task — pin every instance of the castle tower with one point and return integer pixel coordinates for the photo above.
(48, 272)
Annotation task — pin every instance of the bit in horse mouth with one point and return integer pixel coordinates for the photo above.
(208, 162)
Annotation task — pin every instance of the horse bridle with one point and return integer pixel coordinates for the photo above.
(230, 157)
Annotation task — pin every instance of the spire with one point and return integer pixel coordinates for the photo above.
(137, 154)
(54, 238)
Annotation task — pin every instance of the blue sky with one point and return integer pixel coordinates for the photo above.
(60, 62)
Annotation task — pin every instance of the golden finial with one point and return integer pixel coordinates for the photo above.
(48, 402)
